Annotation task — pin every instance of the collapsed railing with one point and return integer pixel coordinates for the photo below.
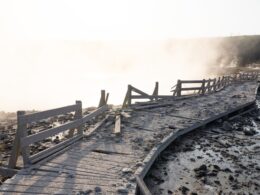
(202, 87)
(23, 139)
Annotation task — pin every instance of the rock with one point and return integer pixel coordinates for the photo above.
(171, 127)
(138, 140)
(170, 192)
(201, 171)
(3, 136)
(122, 191)
(227, 170)
(231, 178)
(216, 167)
(249, 131)
(227, 126)
(56, 140)
(127, 170)
(132, 179)
(98, 189)
(184, 189)
(202, 167)
(86, 192)
(139, 164)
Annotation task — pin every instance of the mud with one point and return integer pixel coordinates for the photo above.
(223, 158)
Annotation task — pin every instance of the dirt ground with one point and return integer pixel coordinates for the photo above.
(223, 158)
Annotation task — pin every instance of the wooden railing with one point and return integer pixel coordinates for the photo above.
(23, 140)
(211, 85)
(142, 95)
(195, 87)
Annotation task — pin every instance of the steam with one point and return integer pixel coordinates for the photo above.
(41, 75)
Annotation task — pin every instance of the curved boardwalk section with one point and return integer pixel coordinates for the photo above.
(106, 161)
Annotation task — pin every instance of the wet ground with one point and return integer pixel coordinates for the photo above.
(223, 158)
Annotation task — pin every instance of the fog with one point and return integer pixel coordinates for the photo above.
(55, 52)
(40, 75)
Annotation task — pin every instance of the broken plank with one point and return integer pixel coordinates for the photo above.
(7, 172)
(117, 129)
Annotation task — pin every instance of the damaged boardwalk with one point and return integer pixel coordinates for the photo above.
(115, 156)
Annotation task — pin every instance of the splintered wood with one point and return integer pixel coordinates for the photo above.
(117, 129)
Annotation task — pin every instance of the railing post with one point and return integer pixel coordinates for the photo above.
(178, 88)
(224, 81)
(107, 96)
(203, 87)
(128, 96)
(156, 89)
(78, 115)
(219, 82)
(208, 86)
(102, 101)
(214, 84)
(16, 145)
(22, 132)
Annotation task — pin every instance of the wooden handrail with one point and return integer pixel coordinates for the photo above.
(23, 140)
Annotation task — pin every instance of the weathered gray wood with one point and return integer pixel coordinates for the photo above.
(102, 101)
(190, 88)
(98, 125)
(16, 145)
(139, 92)
(28, 118)
(55, 154)
(78, 115)
(45, 174)
(143, 188)
(107, 96)
(51, 188)
(178, 88)
(152, 106)
(214, 85)
(22, 128)
(45, 153)
(152, 96)
(184, 117)
(203, 90)
(68, 181)
(192, 81)
(117, 129)
(127, 97)
(95, 113)
(26, 141)
(7, 172)
(156, 89)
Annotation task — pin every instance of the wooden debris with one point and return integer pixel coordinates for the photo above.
(117, 129)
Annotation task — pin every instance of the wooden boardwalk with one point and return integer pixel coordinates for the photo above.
(106, 163)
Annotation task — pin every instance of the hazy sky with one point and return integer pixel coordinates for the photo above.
(53, 52)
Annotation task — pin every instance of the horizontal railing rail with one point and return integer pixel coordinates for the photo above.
(205, 87)
(23, 140)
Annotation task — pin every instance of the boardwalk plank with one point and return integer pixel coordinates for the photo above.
(99, 159)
